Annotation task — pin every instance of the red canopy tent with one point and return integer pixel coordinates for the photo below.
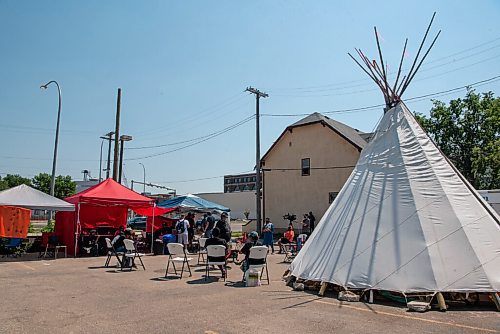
(105, 204)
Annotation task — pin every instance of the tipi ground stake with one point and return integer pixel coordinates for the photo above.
(441, 302)
(322, 289)
(496, 300)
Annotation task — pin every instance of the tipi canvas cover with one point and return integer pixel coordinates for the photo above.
(404, 221)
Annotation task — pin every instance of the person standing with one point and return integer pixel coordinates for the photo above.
(190, 219)
(312, 220)
(182, 231)
(210, 225)
(224, 227)
(306, 225)
(268, 232)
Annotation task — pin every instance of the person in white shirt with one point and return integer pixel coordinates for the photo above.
(182, 231)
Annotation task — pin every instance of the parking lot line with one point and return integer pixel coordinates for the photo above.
(407, 317)
(26, 266)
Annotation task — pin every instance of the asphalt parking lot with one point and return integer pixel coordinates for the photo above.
(81, 296)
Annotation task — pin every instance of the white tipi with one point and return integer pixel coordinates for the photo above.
(406, 220)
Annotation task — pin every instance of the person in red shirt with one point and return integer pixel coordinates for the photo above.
(287, 238)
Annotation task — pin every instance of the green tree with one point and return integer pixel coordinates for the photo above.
(468, 131)
(11, 180)
(64, 186)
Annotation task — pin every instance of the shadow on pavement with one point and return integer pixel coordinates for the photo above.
(202, 280)
(237, 284)
(97, 267)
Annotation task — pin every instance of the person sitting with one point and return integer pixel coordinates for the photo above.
(119, 245)
(90, 243)
(252, 241)
(161, 231)
(216, 240)
(287, 238)
(118, 231)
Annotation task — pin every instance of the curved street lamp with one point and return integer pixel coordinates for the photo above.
(53, 178)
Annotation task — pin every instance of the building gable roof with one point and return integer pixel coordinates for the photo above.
(353, 136)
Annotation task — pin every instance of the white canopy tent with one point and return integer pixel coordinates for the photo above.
(405, 221)
(26, 197)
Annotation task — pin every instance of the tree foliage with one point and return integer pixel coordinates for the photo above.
(12, 180)
(64, 185)
(468, 132)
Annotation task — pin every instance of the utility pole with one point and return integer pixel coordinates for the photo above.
(117, 135)
(108, 136)
(258, 187)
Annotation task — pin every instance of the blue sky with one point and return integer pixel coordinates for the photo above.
(183, 67)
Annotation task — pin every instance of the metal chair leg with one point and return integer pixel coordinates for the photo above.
(182, 270)
(189, 268)
(168, 264)
(142, 263)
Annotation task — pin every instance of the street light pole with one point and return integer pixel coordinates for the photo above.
(144, 179)
(108, 136)
(53, 177)
(123, 139)
(100, 162)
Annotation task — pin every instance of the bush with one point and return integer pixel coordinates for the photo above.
(49, 228)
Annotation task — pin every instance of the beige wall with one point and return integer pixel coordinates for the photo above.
(238, 202)
(289, 191)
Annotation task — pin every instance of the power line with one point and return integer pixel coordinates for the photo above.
(209, 110)
(172, 129)
(190, 140)
(366, 82)
(203, 178)
(478, 83)
(195, 143)
(359, 109)
(297, 169)
(375, 89)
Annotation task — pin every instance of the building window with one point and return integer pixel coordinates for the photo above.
(332, 196)
(306, 167)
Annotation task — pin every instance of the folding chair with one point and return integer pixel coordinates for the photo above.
(111, 252)
(202, 251)
(53, 243)
(174, 250)
(11, 247)
(131, 252)
(301, 239)
(259, 254)
(290, 251)
(215, 251)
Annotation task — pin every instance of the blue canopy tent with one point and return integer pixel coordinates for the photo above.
(192, 202)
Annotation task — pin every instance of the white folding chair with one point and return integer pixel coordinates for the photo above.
(259, 254)
(301, 239)
(290, 251)
(215, 251)
(177, 253)
(111, 252)
(202, 251)
(131, 252)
